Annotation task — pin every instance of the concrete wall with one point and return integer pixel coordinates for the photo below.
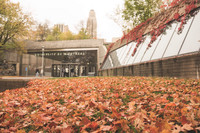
(6, 84)
(181, 67)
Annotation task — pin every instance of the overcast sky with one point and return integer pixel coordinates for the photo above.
(71, 12)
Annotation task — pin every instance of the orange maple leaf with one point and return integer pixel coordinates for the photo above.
(85, 121)
(115, 114)
(170, 105)
(93, 125)
(105, 128)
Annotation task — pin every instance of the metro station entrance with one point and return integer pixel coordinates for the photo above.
(64, 63)
(72, 70)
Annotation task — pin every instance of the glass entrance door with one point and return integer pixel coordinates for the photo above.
(65, 70)
(82, 71)
(74, 70)
(56, 70)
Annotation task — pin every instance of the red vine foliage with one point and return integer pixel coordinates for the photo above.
(137, 33)
(176, 16)
(175, 3)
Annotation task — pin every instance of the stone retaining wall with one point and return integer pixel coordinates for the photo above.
(181, 67)
(6, 84)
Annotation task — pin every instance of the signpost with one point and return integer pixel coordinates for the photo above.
(42, 70)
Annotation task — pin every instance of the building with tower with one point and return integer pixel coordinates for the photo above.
(92, 25)
(62, 28)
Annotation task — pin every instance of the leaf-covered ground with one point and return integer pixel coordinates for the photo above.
(102, 104)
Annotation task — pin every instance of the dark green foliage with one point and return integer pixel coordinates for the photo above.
(137, 11)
